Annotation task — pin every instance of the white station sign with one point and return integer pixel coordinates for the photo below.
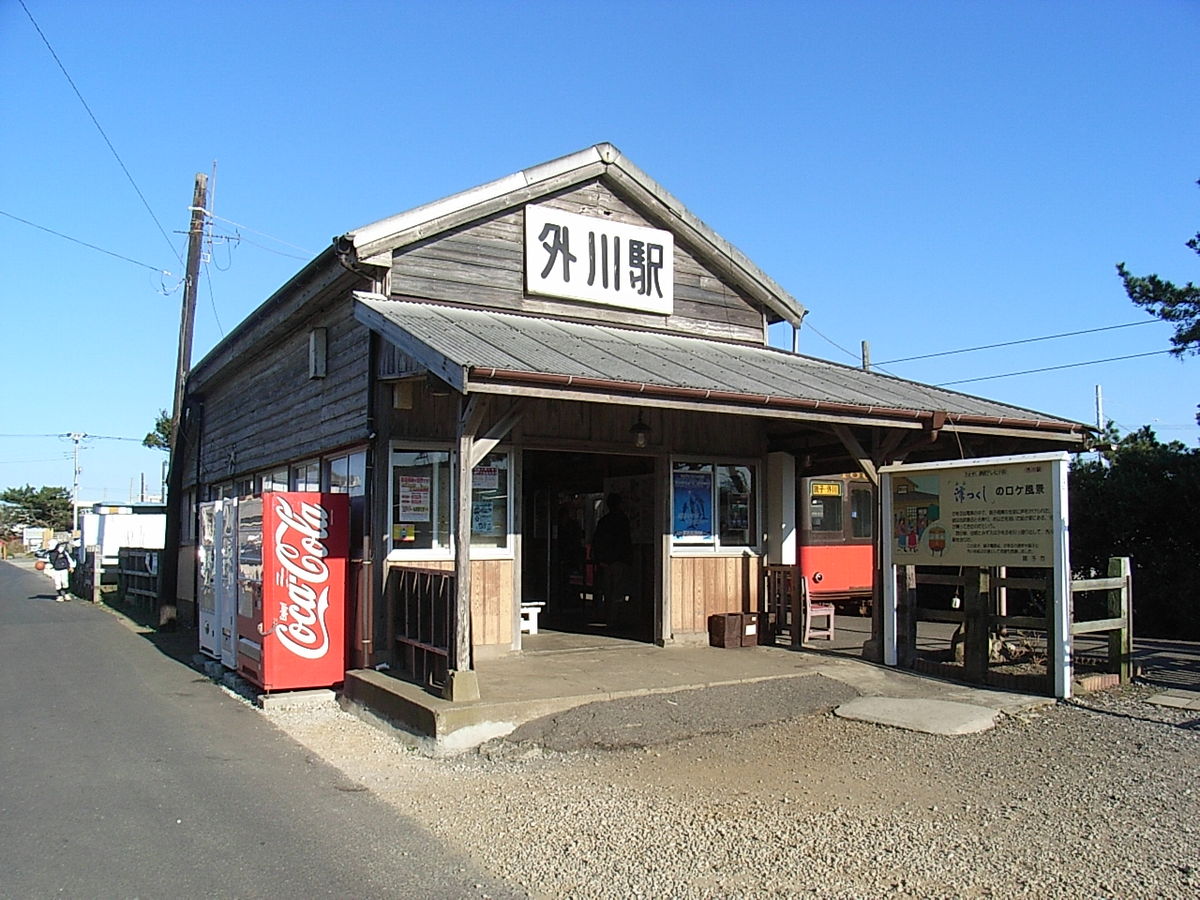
(599, 261)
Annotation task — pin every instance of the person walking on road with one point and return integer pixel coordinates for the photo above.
(61, 565)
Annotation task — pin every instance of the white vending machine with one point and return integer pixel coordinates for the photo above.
(217, 582)
(206, 604)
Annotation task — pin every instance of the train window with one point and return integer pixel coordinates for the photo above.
(862, 512)
(825, 506)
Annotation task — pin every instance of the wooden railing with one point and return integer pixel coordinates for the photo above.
(1118, 625)
(421, 600)
(983, 614)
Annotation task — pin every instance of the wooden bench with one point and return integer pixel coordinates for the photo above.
(529, 617)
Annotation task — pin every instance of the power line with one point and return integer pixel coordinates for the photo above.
(212, 215)
(213, 300)
(1091, 362)
(829, 340)
(247, 240)
(96, 122)
(1032, 340)
(67, 237)
(73, 435)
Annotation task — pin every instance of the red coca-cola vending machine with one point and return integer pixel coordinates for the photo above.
(291, 618)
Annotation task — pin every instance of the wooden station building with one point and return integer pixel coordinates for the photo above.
(487, 370)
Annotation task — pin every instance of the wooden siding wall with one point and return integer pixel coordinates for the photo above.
(704, 585)
(273, 413)
(491, 598)
(557, 424)
(568, 425)
(482, 265)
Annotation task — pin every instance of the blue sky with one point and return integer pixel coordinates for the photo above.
(925, 176)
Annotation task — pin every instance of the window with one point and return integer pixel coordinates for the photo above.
(862, 512)
(421, 500)
(735, 492)
(489, 502)
(700, 489)
(306, 476)
(825, 506)
(348, 475)
(275, 481)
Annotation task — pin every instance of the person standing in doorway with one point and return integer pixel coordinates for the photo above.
(61, 565)
(612, 549)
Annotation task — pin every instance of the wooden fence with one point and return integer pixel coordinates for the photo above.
(137, 576)
(983, 615)
(419, 609)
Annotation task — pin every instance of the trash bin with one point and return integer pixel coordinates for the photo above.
(757, 629)
(749, 629)
(725, 630)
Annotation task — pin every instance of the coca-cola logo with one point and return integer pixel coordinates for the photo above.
(300, 549)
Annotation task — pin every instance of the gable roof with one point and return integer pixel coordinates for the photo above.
(373, 244)
(483, 350)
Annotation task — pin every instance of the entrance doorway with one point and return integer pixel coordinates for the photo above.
(589, 583)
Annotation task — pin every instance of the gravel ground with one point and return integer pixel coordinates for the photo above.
(688, 795)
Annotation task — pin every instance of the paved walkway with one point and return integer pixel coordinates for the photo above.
(518, 689)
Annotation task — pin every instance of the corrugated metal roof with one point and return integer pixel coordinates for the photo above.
(487, 340)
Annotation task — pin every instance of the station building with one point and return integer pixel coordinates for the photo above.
(489, 370)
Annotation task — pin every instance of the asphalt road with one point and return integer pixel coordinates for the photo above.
(126, 774)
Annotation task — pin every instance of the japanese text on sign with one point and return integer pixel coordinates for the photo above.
(598, 260)
(999, 515)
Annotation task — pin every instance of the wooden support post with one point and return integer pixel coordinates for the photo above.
(1120, 605)
(906, 614)
(976, 605)
(462, 684)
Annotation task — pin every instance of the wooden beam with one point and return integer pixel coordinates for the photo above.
(497, 433)
(846, 436)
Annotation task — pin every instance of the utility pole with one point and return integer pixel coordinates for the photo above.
(75, 436)
(168, 587)
(866, 356)
(188, 316)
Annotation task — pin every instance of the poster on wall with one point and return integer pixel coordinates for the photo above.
(485, 478)
(692, 512)
(413, 497)
(484, 518)
(983, 514)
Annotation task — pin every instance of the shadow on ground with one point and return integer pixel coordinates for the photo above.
(176, 641)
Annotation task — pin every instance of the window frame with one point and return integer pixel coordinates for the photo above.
(440, 553)
(711, 545)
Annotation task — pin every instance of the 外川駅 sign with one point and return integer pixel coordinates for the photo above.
(599, 261)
